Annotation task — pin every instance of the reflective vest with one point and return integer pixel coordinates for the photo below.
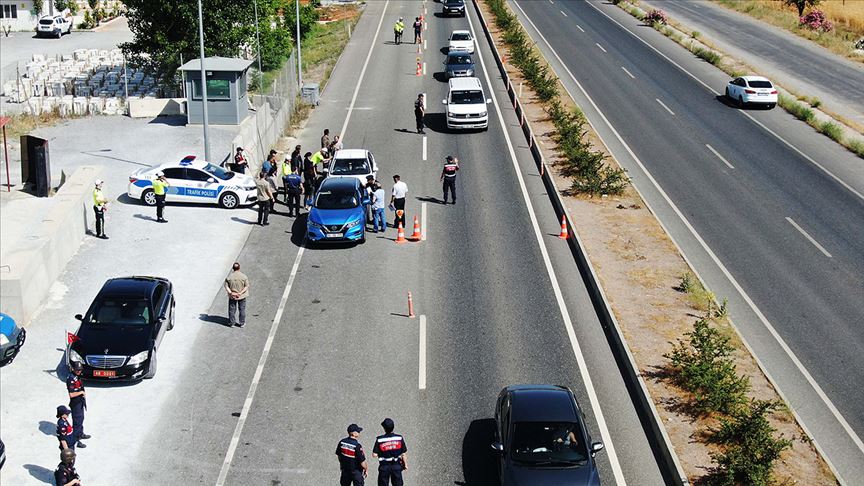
(286, 169)
(159, 187)
(98, 199)
(399, 27)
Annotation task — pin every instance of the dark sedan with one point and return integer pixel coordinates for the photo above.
(459, 64)
(541, 438)
(123, 328)
(453, 7)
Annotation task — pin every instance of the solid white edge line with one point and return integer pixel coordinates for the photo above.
(262, 361)
(423, 222)
(812, 381)
(664, 106)
(580, 28)
(424, 147)
(601, 47)
(628, 72)
(559, 297)
(265, 353)
(717, 93)
(424, 68)
(810, 238)
(720, 156)
(362, 74)
(562, 13)
(422, 368)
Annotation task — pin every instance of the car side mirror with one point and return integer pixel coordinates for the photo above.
(374, 167)
(211, 180)
(497, 447)
(79, 317)
(596, 447)
(488, 100)
(444, 102)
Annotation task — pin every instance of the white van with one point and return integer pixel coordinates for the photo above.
(466, 104)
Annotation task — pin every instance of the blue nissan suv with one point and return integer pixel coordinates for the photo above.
(338, 212)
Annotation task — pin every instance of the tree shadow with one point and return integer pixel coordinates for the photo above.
(41, 473)
(676, 405)
(479, 461)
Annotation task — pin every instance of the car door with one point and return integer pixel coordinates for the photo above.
(176, 176)
(504, 433)
(372, 165)
(160, 309)
(201, 186)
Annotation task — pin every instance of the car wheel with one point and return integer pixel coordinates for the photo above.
(151, 371)
(728, 96)
(362, 239)
(228, 200)
(741, 101)
(148, 197)
(771, 106)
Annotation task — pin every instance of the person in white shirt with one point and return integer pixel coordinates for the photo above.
(397, 200)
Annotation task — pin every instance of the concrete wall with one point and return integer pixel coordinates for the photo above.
(28, 272)
(153, 107)
(259, 132)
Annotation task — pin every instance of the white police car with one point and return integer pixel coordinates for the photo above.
(195, 181)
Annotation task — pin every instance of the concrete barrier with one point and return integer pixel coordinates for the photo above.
(669, 464)
(28, 272)
(153, 107)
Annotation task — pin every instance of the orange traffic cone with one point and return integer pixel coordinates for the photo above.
(400, 235)
(564, 234)
(416, 235)
(419, 69)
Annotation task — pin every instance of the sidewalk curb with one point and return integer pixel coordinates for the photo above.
(627, 364)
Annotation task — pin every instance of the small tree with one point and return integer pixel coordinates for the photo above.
(801, 4)
(93, 4)
(61, 5)
(38, 6)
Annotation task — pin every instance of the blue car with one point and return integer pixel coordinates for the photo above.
(338, 211)
(11, 339)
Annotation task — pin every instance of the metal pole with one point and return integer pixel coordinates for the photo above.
(6, 153)
(258, 41)
(126, 84)
(299, 56)
(182, 79)
(203, 82)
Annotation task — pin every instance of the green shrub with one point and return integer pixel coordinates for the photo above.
(815, 102)
(857, 146)
(707, 55)
(795, 108)
(688, 282)
(750, 447)
(695, 34)
(831, 130)
(704, 366)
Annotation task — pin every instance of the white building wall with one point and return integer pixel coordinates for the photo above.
(21, 17)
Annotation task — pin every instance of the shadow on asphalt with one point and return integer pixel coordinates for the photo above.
(440, 76)
(437, 122)
(174, 121)
(125, 199)
(241, 220)
(144, 217)
(405, 130)
(221, 320)
(442, 16)
(47, 427)
(41, 473)
(479, 463)
(298, 230)
(430, 199)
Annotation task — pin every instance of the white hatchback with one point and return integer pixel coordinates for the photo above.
(461, 41)
(752, 90)
(194, 181)
(356, 163)
(54, 26)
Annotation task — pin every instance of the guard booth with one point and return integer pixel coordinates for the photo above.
(227, 102)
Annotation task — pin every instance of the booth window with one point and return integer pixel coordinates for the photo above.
(217, 89)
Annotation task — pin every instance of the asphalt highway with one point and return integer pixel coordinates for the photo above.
(328, 340)
(770, 215)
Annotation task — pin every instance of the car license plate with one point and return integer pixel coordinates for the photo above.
(334, 235)
(105, 373)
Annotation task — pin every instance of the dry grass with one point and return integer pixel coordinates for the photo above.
(849, 13)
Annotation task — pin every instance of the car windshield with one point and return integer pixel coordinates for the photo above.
(453, 3)
(461, 37)
(122, 312)
(218, 172)
(548, 443)
(466, 97)
(760, 84)
(336, 200)
(46, 21)
(461, 59)
(350, 167)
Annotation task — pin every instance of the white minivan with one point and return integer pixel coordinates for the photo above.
(466, 104)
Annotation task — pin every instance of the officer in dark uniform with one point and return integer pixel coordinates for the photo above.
(65, 433)
(352, 459)
(65, 474)
(77, 402)
(448, 177)
(392, 454)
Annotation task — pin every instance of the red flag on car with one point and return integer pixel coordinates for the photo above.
(71, 338)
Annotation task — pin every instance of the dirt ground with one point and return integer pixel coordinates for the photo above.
(640, 268)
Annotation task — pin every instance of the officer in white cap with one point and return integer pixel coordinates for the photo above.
(100, 205)
(160, 188)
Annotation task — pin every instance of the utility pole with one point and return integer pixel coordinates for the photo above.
(203, 82)
(299, 56)
(258, 41)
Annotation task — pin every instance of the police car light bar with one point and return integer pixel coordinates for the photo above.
(187, 160)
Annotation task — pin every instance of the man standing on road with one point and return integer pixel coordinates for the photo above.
(237, 286)
(309, 176)
(392, 454)
(65, 431)
(448, 177)
(160, 187)
(65, 474)
(77, 402)
(265, 198)
(420, 112)
(293, 193)
(100, 205)
(397, 31)
(397, 200)
(378, 197)
(418, 29)
(270, 168)
(352, 459)
(325, 139)
(296, 160)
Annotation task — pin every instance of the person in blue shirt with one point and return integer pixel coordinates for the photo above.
(65, 432)
(352, 459)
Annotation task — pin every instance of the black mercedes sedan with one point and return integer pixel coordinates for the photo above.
(123, 328)
(540, 438)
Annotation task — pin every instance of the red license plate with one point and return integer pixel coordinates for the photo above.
(105, 373)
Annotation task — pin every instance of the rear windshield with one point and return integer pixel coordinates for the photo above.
(122, 313)
(336, 200)
(462, 59)
(350, 167)
(461, 37)
(46, 21)
(760, 84)
(466, 97)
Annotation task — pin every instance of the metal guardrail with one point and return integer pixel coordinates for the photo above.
(670, 466)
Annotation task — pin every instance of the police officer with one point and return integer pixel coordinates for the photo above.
(419, 113)
(397, 31)
(293, 192)
(65, 433)
(392, 455)
(77, 402)
(352, 459)
(160, 187)
(100, 204)
(448, 177)
(65, 474)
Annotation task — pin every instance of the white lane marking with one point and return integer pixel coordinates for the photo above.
(253, 387)
(720, 156)
(422, 369)
(424, 68)
(562, 13)
(424, 147)
(550, 1)
(559, 297)
(423, 222)
(772, 132)
(818, 389)
(362, 74)
(601, 47)
(810, 238)
(580, 28)
(628, 72)
(424, 44)
(265, 353)
(664, 106)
